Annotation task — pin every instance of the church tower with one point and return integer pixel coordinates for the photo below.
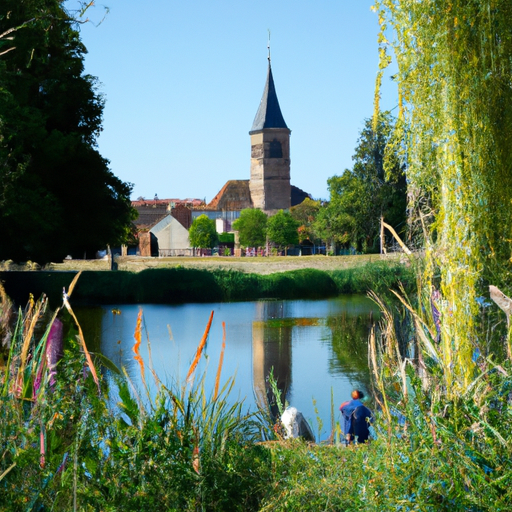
(270, 153)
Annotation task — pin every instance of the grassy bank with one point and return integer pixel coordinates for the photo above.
(66, 445)
(180, 284)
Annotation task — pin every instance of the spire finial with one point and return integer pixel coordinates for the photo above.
(268, 46)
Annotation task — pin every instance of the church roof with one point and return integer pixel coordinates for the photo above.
(298, 195)
(235, 195)
(269, 113)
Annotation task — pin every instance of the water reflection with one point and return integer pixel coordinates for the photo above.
(349, 356)
(317, 349)
(271, 351)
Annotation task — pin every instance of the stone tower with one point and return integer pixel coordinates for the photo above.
(270, 153)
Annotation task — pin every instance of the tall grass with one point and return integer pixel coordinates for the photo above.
(434, 450)
(183, 449)
(174, 446)
(377, 276)
(464, 440)
(67, 446)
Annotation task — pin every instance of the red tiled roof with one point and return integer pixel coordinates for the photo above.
(234, 195)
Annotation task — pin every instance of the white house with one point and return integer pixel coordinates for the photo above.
(172, 237)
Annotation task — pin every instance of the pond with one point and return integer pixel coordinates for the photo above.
(317, 349)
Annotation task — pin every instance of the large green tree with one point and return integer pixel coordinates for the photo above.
(367, 192)
(282, 230)
(202, 233)
(252, 227)
(57, 193)
(305, 214)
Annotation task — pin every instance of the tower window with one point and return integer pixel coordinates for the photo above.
(275, 150)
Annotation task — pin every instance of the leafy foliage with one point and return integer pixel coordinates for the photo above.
(282, 230)
(180, 449)
(202, 233)
(57, 194)
(252, 227)
(305, 214)
(361, 196)
(228, 238)
(455, 117)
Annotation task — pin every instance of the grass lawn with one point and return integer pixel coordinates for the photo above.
(255, 265)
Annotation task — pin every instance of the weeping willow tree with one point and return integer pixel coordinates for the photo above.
(455, 115)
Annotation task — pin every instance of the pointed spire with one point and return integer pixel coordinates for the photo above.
(269, 113)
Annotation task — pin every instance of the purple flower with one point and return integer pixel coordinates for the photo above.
(54, 349)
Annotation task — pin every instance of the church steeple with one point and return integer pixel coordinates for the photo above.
(270, 153)
(269, 112)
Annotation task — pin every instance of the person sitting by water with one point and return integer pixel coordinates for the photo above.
(356, 419)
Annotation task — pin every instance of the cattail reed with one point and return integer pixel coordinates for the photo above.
(200, 348)
(221, 360)
(138, 337)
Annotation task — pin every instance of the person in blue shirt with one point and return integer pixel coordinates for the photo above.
(356, 419)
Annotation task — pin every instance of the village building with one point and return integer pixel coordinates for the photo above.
(161, 222)
(269, 187)
(162, 226)
(270, 153)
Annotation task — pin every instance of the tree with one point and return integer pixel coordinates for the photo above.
(252, 227)
(282, 230)
(335, 227)
(361, 196)
(57, 194)
(305, 214)
(455, 110)
(202, 233)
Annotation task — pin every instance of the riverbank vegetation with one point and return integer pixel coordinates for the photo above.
(72, 439)
(180, 285)
(70, 442)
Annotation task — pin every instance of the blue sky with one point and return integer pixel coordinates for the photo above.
(183, 81)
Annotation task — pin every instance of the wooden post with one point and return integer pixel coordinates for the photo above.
(382, 240)
(393, 232)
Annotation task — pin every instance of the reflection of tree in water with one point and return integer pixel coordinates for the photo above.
(350, 345)
(90, 320)
(95, 321)
(272, 350)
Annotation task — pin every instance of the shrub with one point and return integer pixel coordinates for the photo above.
(378, 276)
(179, 285)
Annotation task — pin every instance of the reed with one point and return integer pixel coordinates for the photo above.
(138, 338)
(179, 448)
(203, 451)
(180, 285)
(200, 349)
(221, 360)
